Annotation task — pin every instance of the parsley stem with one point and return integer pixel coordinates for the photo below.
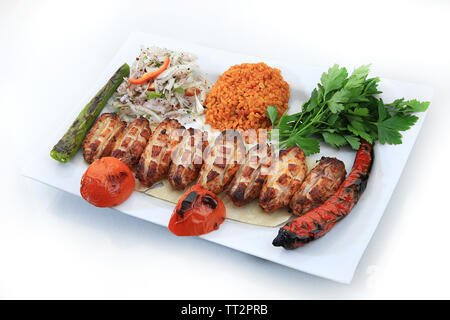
(314, 120)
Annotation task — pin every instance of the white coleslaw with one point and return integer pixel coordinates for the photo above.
(178, 92)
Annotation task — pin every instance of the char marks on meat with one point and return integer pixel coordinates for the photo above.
(100, 140)
(284, 178)
(155, 161)
(248, 181)
(222, 160)
(319, 185)
(131, 143)
(187, 158)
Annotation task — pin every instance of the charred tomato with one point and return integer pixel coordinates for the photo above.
(198, 211)
(107, 182)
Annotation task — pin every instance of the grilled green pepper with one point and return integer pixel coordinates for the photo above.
(69, 144)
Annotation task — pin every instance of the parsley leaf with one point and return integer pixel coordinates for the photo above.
(358, 77)
(335, 103)
(308, 145)
(333, 139)
(353, 141)
(416, 106)
(334, 79)
(388, 130)
(272, 113)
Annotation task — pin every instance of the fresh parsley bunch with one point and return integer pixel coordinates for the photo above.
(343, 109)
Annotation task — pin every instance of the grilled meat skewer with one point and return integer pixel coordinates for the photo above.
(187, 158)
(100, 140)
(248, 181)
(283, 179)
(320, 184)
(131, 143)
(222, 161)
(155, 160)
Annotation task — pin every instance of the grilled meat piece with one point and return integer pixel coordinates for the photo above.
(187, 158)
(131, 143)
(222, 161)
(284, 178)
(155, 160)
(320, 184)
(100, 140)
(248, 181)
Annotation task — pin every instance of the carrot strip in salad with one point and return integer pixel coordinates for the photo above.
(150, 75)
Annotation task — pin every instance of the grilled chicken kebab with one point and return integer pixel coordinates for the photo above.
(248, 181)
(155, 160)
(320, 184)
(99, 142)
(222, 161)
(284, 178)
(131, 143)
(187, 158)
(245, 176)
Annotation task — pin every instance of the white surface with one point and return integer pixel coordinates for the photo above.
(333, 257)
(54, 245)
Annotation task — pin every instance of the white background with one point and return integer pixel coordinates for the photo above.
(54, 245)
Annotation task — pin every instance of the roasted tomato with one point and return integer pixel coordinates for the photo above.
(198, 211)
(107, 182)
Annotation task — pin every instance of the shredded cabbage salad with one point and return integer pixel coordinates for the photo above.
(179, 92)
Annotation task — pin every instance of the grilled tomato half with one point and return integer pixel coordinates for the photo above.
(107, 182)
(198, 211)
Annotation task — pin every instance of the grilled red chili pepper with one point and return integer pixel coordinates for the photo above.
(315, 223)
(198, 211)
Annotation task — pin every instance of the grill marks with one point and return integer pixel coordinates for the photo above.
(283, 179)
(100, 140)
(187, 158)
(178, 155)
(247, 183)
(155, 160)
(131, 143)
(319, 185)
(222, 161)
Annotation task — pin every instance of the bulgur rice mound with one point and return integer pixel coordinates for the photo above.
(238, 100)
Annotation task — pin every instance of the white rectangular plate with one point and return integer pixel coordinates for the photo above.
(336, 255)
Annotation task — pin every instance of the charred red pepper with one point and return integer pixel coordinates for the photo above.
(198, 211)
(317, 222)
